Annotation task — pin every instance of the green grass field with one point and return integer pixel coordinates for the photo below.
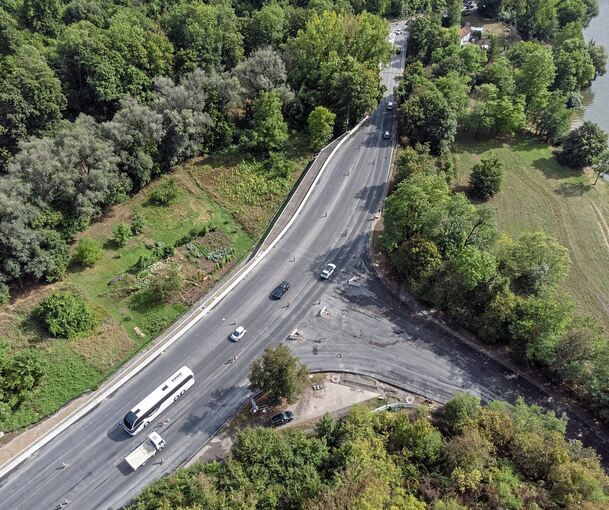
(211, 191)
(540, 194)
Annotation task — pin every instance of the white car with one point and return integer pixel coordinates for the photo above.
(386, 135)
(238, 334)
(328, 270)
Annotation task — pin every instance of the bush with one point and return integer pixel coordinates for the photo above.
(461, 411)
(5, 295)
(486, 178)
(122, 233)
(65, 315)
(137, 224)
(165, 283)
(88, 252)
(166, 193)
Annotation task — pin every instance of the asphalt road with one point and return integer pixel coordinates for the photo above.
(372, 333)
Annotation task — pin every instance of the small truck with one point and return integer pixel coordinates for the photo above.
(148, 449)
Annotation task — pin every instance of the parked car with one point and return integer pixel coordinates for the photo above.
(282, 418)
(280, 290)
(386, 135)
(327, 271)
(238, 334)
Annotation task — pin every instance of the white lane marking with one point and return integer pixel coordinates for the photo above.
(155, 351)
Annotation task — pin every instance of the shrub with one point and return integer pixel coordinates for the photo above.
(88, 252)
(165, 283)
(461, 411)
(65, 315)
(166, 193)
(5, 295)
(137, 224)
(122, 233)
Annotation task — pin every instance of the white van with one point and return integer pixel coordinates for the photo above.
(390, 105)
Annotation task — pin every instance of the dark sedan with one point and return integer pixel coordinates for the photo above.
(282, 418)
(280, 290)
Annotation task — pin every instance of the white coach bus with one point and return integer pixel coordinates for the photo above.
(159, 400)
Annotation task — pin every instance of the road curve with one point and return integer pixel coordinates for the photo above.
(94, 448)
(370, 331)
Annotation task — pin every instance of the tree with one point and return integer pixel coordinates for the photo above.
(453, 12)
(461, 411)
(65, 315)
(534, 262)
(601, 166)
(264, 71)
(267, 26)
(598, 54)
(321, 127)
(75, 173)
(577, 352)
(409, 207)
(166, 193)
(501, 73)
(278, 374)
(455, 88)
(537, 19)
(31, 100)
(416, 259)
(205, 36)
(537, 324)
(583, 146)
(426, 117)
(136, 132)
(571, 11)
(353, 90)
(536, 69)
(42, 15)
(574, 65)
(88, 251)
(121, 234)
(99, 67)
(269, 131)
(551, 116)
(414, 160)
(24, 372)
(486, 177)
(184, 108)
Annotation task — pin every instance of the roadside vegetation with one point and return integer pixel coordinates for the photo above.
(466, 456)
(143, 150)
(475, 226)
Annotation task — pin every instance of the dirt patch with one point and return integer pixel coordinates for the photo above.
(108, 346)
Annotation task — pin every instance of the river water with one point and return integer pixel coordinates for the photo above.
(596, 99)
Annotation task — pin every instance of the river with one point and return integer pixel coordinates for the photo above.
(596, 99)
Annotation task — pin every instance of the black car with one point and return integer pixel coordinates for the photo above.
(280, 290)
(282, 418)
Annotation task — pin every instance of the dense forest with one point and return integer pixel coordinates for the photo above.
(446, 245)
(496, 457)
(99, 97)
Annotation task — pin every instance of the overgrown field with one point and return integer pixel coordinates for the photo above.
(540, 194)
(236, 200)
